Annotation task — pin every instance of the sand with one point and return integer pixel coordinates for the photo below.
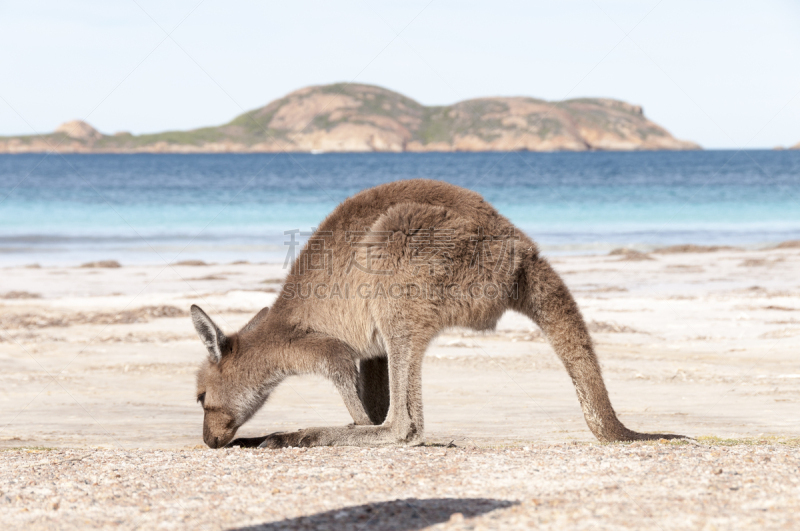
(565, 486)
(97, 374)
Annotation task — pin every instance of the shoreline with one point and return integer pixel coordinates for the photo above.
(91, 259)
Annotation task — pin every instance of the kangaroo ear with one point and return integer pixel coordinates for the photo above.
(212, 336)
(256, 320)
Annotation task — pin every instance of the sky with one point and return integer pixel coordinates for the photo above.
(725, 74)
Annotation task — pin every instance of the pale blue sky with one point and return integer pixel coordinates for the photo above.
(725, 74)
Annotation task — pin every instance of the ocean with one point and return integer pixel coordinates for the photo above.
(159, 208)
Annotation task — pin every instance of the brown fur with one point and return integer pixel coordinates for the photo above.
(370, 337)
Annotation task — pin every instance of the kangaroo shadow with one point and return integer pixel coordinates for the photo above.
(396, 515)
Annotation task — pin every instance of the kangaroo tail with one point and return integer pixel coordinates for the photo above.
(544, 298)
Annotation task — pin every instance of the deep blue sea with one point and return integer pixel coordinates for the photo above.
(68, 209)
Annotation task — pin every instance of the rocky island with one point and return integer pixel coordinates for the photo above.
(349, 117)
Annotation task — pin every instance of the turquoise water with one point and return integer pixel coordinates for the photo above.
(156, 208)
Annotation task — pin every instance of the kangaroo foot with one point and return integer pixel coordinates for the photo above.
(310, 437)
(246, 442)
(282, 440)
(351, 435)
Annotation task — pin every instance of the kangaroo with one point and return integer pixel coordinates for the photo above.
(389, 269)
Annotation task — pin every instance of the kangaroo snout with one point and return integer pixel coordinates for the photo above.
(217, 441)
(216, 436)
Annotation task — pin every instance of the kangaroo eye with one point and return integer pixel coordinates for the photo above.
(201, 398)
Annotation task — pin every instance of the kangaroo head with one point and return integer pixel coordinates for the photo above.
(228, 392)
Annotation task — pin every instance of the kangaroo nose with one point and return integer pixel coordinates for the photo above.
(212, 441)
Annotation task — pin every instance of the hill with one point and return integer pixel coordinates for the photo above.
(359, 118)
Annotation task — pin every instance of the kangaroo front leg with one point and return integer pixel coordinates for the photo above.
(404, 423)
(352, 402)
(345, 377)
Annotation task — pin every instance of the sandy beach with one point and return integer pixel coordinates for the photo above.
(98, 364)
